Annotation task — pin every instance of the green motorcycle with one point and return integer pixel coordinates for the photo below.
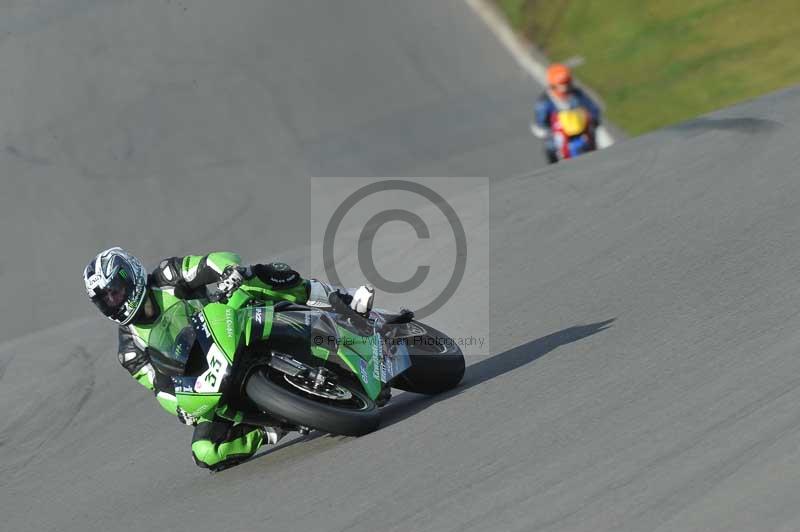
(295, 366)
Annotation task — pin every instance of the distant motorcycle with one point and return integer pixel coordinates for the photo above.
(572, 133)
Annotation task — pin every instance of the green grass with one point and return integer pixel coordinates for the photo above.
(657, 62)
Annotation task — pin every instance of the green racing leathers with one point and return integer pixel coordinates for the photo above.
(218, 439)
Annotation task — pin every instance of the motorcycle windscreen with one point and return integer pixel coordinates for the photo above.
(382, 359)
(573, 121)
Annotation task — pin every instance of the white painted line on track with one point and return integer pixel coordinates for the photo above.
(521, 52)
(517, 47)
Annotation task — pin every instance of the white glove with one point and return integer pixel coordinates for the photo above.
(538, 131)
(362, 299)
(230, 280)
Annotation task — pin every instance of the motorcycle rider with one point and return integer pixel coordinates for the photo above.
(560, 95)
(118, 284)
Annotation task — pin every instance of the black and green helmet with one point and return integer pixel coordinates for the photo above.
(116, 283)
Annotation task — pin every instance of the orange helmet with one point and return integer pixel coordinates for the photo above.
(559, 78)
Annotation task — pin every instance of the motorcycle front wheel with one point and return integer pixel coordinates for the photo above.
(343, 408)
(437, 363)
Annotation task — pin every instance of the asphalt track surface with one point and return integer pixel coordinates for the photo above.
(643, 372)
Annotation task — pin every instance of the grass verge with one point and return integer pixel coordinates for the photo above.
(656, 62)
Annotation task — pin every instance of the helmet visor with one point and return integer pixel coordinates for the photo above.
(113, 298)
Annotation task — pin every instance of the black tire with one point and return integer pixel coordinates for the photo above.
(431, 371)
(296, 408)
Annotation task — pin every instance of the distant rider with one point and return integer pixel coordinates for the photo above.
(561, 94)
(118, 284)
